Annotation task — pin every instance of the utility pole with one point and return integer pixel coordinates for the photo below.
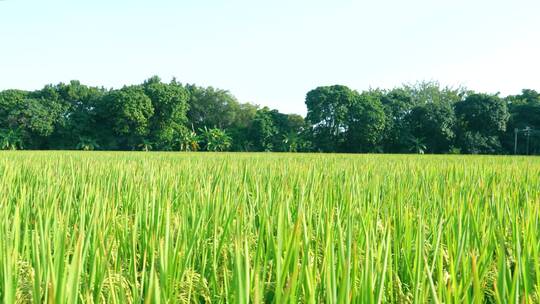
(528, 134)
(527, 131)
(515, 140)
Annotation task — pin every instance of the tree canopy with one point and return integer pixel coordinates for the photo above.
(420, 118)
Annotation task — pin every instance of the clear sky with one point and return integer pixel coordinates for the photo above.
(272, 52)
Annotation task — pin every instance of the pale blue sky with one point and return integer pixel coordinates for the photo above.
(272, 52)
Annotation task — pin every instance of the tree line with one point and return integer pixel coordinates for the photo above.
(421, 118)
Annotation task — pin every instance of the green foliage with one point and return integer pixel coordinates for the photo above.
(9, 99)
(435, 123)
(158, 116)
(328, 110)
(271, 130)
(215, 108)
(79, 116)
(432, 92)
(344, 120)
(187, 140)
(417, 145)
(146, 145)
(35, 115)
(129, 111)
(524, 110)
(482, 119)
(421, 110)
(170, 104)
(87, 144)
(295, 142)
(397, 105)
(215, 139)
(263, 130)
(486, 114)
(477, 143)
(365, 123)
(10, 140)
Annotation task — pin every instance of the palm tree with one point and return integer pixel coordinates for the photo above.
(291, 142)
(417, 145)
(187, 140)
(215, 139)
(10, 140)
(145, 146)
(87, 144)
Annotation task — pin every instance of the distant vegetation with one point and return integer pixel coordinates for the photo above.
(420, 118)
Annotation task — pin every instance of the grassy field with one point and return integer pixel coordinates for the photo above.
(103, 227)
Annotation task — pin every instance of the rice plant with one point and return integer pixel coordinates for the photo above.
(104, 227)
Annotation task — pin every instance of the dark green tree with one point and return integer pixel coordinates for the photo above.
(170, 104)
(87, 144)
(365, 123)
(210, 107)
(481, 120)
(397, 105)
(127, 113)
(239, 130)
(78, 123)
(524, 110)
(328, 111)
(434, 122)
(9, 99)
(10, 139)
(35, 115)
(408, 106)
(263, 131)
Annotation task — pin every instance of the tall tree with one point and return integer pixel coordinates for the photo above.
(262, 131)
(434, 124)
(170, 104)
(482, 118)
(365, 123)
(397, 105)
(35, 115)
(127, 112)
(9, 99)
(239, 129)
(421, 113)
(524, 110)
(210, 107)
(78, 119)
(328, 110)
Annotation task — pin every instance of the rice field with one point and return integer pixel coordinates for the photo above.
(127, 227)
